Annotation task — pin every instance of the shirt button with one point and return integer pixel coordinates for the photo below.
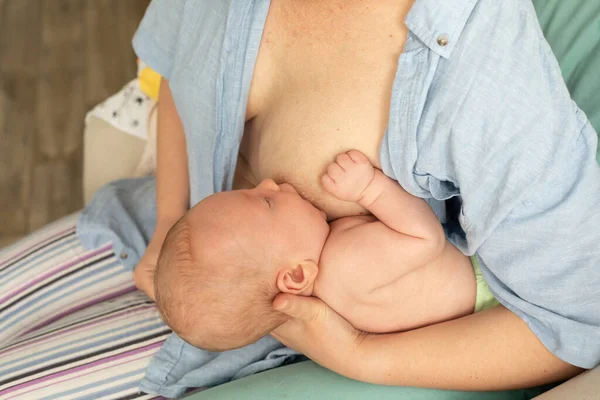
(442, 40)
(124, 255)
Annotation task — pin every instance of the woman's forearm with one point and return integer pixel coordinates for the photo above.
(172, 176)
(491, 350)
(172, 186)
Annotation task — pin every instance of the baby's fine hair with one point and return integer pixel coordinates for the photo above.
(213, 300)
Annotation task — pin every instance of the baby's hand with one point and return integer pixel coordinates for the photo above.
(348, 177)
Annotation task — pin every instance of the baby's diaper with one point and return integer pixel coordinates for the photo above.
(484, 298)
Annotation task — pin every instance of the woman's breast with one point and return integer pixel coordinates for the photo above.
(308, 103)
(299, 136)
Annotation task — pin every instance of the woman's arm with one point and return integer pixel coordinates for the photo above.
(172, 175)
(172, 181)
(490, 350)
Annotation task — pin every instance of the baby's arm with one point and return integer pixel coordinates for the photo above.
(353, 178)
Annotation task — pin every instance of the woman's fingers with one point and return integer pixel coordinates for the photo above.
(143, 277)
(316, 331)
(299, 307)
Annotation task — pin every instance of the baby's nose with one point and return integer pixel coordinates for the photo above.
(269, 184)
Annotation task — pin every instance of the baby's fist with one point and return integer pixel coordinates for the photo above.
(348, 177)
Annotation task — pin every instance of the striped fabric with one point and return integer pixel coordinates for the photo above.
(72, 325)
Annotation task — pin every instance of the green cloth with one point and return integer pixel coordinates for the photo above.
(309, 381)
(572, 28)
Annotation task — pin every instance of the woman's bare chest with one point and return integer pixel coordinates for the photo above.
(321, 86)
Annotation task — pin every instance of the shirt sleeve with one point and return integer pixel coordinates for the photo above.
(543, 260)
(523, 156)
(155, 41)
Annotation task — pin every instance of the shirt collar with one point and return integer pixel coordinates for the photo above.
(439, 23)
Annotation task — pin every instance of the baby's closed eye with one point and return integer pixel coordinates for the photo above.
(268, 201)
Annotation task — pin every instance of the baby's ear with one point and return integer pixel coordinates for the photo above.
(298, 279)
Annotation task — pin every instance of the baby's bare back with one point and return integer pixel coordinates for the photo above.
(364, 278)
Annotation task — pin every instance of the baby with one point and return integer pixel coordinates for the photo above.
(224, 262)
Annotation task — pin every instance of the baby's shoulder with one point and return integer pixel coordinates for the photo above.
(348, 241)
(347, 232)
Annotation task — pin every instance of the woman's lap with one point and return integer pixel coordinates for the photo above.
(72, 324)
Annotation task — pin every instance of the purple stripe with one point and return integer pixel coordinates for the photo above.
(82, 306)
(82, 367)
(98, 322)
(37, 244)
(56, 271)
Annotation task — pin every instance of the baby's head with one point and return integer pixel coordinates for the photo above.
(224, 262)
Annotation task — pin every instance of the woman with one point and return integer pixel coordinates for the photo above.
(478, 111)
(469, 108)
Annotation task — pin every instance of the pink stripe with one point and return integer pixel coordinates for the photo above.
(56, 271)
(96, 323)
(77, 377)
(37, 244)
(82, 306)
(83, 367)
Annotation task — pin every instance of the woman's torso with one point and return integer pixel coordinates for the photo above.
(321, 86)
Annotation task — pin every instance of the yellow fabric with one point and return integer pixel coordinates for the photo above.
(149, 82)
(484, 298)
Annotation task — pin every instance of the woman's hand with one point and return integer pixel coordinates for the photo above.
(318, 332)
(143, 274)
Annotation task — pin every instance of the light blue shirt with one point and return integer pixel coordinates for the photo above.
(479, 112)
